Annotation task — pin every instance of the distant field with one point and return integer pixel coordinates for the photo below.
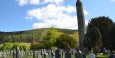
(27, 44)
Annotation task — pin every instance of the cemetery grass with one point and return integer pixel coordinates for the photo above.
(100, 56)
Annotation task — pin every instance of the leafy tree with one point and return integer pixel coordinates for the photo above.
(33, 45)
(49, 37)
(65, 40)
(93, 39)
(24, 47)
(112, 37)
(15, 45)
(104, 24)
(75, 38)
(7, 46)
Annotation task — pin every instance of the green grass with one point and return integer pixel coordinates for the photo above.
(100, 56)
(27, 44)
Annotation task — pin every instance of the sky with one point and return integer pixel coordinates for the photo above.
(19, 15)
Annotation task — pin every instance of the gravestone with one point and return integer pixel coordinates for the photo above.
(41, 52)
(44, 53)
(52, 53)
(91, 55)
(112, 55)
(67, 53)
(4, 54)
(17, 52)
(13, 53)
(26, 54)
(78, 54)
(62, 53)
(104, 51)
(33, 54)
(49, 53)
(0, 54)
(39, 55)
(57, 54)
(83, 55)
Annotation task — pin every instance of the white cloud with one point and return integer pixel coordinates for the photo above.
(85, 12)
(67, 22)
(54, 16)
(71, 9)
(25, 2)
(54, 1)
(36, 2)
(22, 2)
(50, 11)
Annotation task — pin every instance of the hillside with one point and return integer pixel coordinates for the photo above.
(27, 35)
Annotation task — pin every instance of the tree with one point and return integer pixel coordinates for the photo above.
(104, 24)
(65, 40)
(7, 46)
(49, 37)
(33, 45)
(75, 38)
(112, 37)
(93, 39)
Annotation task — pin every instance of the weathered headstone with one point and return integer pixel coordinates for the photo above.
(17, 52)
(83, 55)
(39, 55)
(112, 55)
(104, 51)
(0, 54)
(52, 53)
(44, 53)
(57, 54)
(33, 54)
(67, 53)
(62, 53)
(13, 53)
(78, 54)
(91, 55)
(49, 53)
(4, 54)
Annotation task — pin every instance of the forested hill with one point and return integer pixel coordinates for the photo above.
(27, 35)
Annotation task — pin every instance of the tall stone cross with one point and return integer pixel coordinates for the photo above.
(81, 23)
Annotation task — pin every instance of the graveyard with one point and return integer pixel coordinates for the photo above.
(44, 54)
(92, 39)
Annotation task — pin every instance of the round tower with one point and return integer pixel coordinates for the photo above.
(81, 23)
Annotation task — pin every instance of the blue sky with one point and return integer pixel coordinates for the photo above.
(17, 15)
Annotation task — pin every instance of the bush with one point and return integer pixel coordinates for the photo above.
(7, 46)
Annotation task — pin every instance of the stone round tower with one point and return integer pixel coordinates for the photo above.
(81, 23)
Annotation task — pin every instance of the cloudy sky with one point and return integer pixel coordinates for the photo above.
(17, 15)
